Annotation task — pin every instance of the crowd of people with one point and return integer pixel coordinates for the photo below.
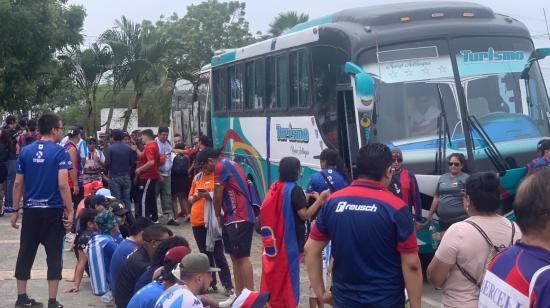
(357, 237)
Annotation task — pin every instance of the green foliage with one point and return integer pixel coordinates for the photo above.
(205, 28)
(31, 32)
(285, 21)
(137, 51)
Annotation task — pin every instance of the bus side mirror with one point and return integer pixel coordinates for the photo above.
(364, 83)
(542, 53)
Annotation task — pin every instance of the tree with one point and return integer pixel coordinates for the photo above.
(285, 21)
(194, 38)
(86, 69)
(31, 33)
(137, 54)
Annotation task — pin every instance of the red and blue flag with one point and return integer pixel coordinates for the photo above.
(280, 260)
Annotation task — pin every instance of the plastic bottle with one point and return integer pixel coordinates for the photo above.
(435, 237)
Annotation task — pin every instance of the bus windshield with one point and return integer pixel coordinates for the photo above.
(414, 89)
(416, 99)
(503, 88)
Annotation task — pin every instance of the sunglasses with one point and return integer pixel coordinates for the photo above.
(398, 160)
(454, 164)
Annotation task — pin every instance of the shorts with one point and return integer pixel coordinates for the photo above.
(180, 184)
(444, 225)
(41, 226)
(237, 239)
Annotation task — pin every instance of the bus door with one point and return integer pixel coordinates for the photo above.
(347, 126)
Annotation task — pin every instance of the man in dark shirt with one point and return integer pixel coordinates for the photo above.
(11, 124)
(373, 240)
(137, 262)
(118, 161)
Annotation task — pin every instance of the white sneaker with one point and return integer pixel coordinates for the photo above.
(107, 297)
(70, 237)
(228, 302)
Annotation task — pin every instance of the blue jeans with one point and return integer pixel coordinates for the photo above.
(12, 168)
(120, 189)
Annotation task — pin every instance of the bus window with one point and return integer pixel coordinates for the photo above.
(270, 82)
(254, 85)
(249, 85)
(299, 79)
(236, 87)
(282, 83)
(259, 79)
(220, 89)
(328, 63)
(202, 96)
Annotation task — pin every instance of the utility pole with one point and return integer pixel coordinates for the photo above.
(546, 23)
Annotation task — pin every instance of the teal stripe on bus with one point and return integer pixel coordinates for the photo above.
(226, 57)
(312, 23)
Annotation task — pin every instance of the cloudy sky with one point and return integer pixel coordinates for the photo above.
(102, 13)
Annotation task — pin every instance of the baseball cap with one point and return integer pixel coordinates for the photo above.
(543, 145)
(251, 299)
(205, 154)
(396, 153)
(103, 192)
(105, 221)
(99, 200)
(196, 263)
(73, 131)
(94, 185)
(176, 254)
(327, 155)
(117, 207)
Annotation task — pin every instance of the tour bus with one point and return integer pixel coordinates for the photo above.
(428, 78)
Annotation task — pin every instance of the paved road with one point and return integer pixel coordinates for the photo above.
(9, 246)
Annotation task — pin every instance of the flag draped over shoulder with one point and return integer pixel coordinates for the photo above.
(280, 259)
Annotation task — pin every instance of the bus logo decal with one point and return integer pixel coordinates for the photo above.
(491, 56)
(292, 134)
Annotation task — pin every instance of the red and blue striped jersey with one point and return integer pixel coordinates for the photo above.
(369, 228)
(236, 202)
(510, 274)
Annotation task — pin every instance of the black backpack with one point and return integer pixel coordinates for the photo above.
(180, 165)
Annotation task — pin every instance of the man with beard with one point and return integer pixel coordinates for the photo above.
(195, 270)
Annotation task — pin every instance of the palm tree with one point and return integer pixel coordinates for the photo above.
(285, 21)
(138, 53)
(87, 69)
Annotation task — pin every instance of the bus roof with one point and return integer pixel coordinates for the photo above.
(385, 24)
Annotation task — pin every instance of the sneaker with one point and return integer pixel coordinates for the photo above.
(28, 302)
(9, 209)
(55, 304)
(186, 218)
(172, 222)
(212, 289)
(107, 297)
(228, 291)
(228, 302)
(69, 237)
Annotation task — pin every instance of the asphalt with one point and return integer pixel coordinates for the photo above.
(37, 286)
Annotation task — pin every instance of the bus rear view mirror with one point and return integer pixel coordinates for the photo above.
(364, 84)
(542, 53)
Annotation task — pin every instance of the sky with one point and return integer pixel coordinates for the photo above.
(101, 14)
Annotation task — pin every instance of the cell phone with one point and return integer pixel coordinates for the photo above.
(201, 190)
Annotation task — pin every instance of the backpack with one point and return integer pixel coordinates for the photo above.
(493, 251)
(180, 165)
(29, 138)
